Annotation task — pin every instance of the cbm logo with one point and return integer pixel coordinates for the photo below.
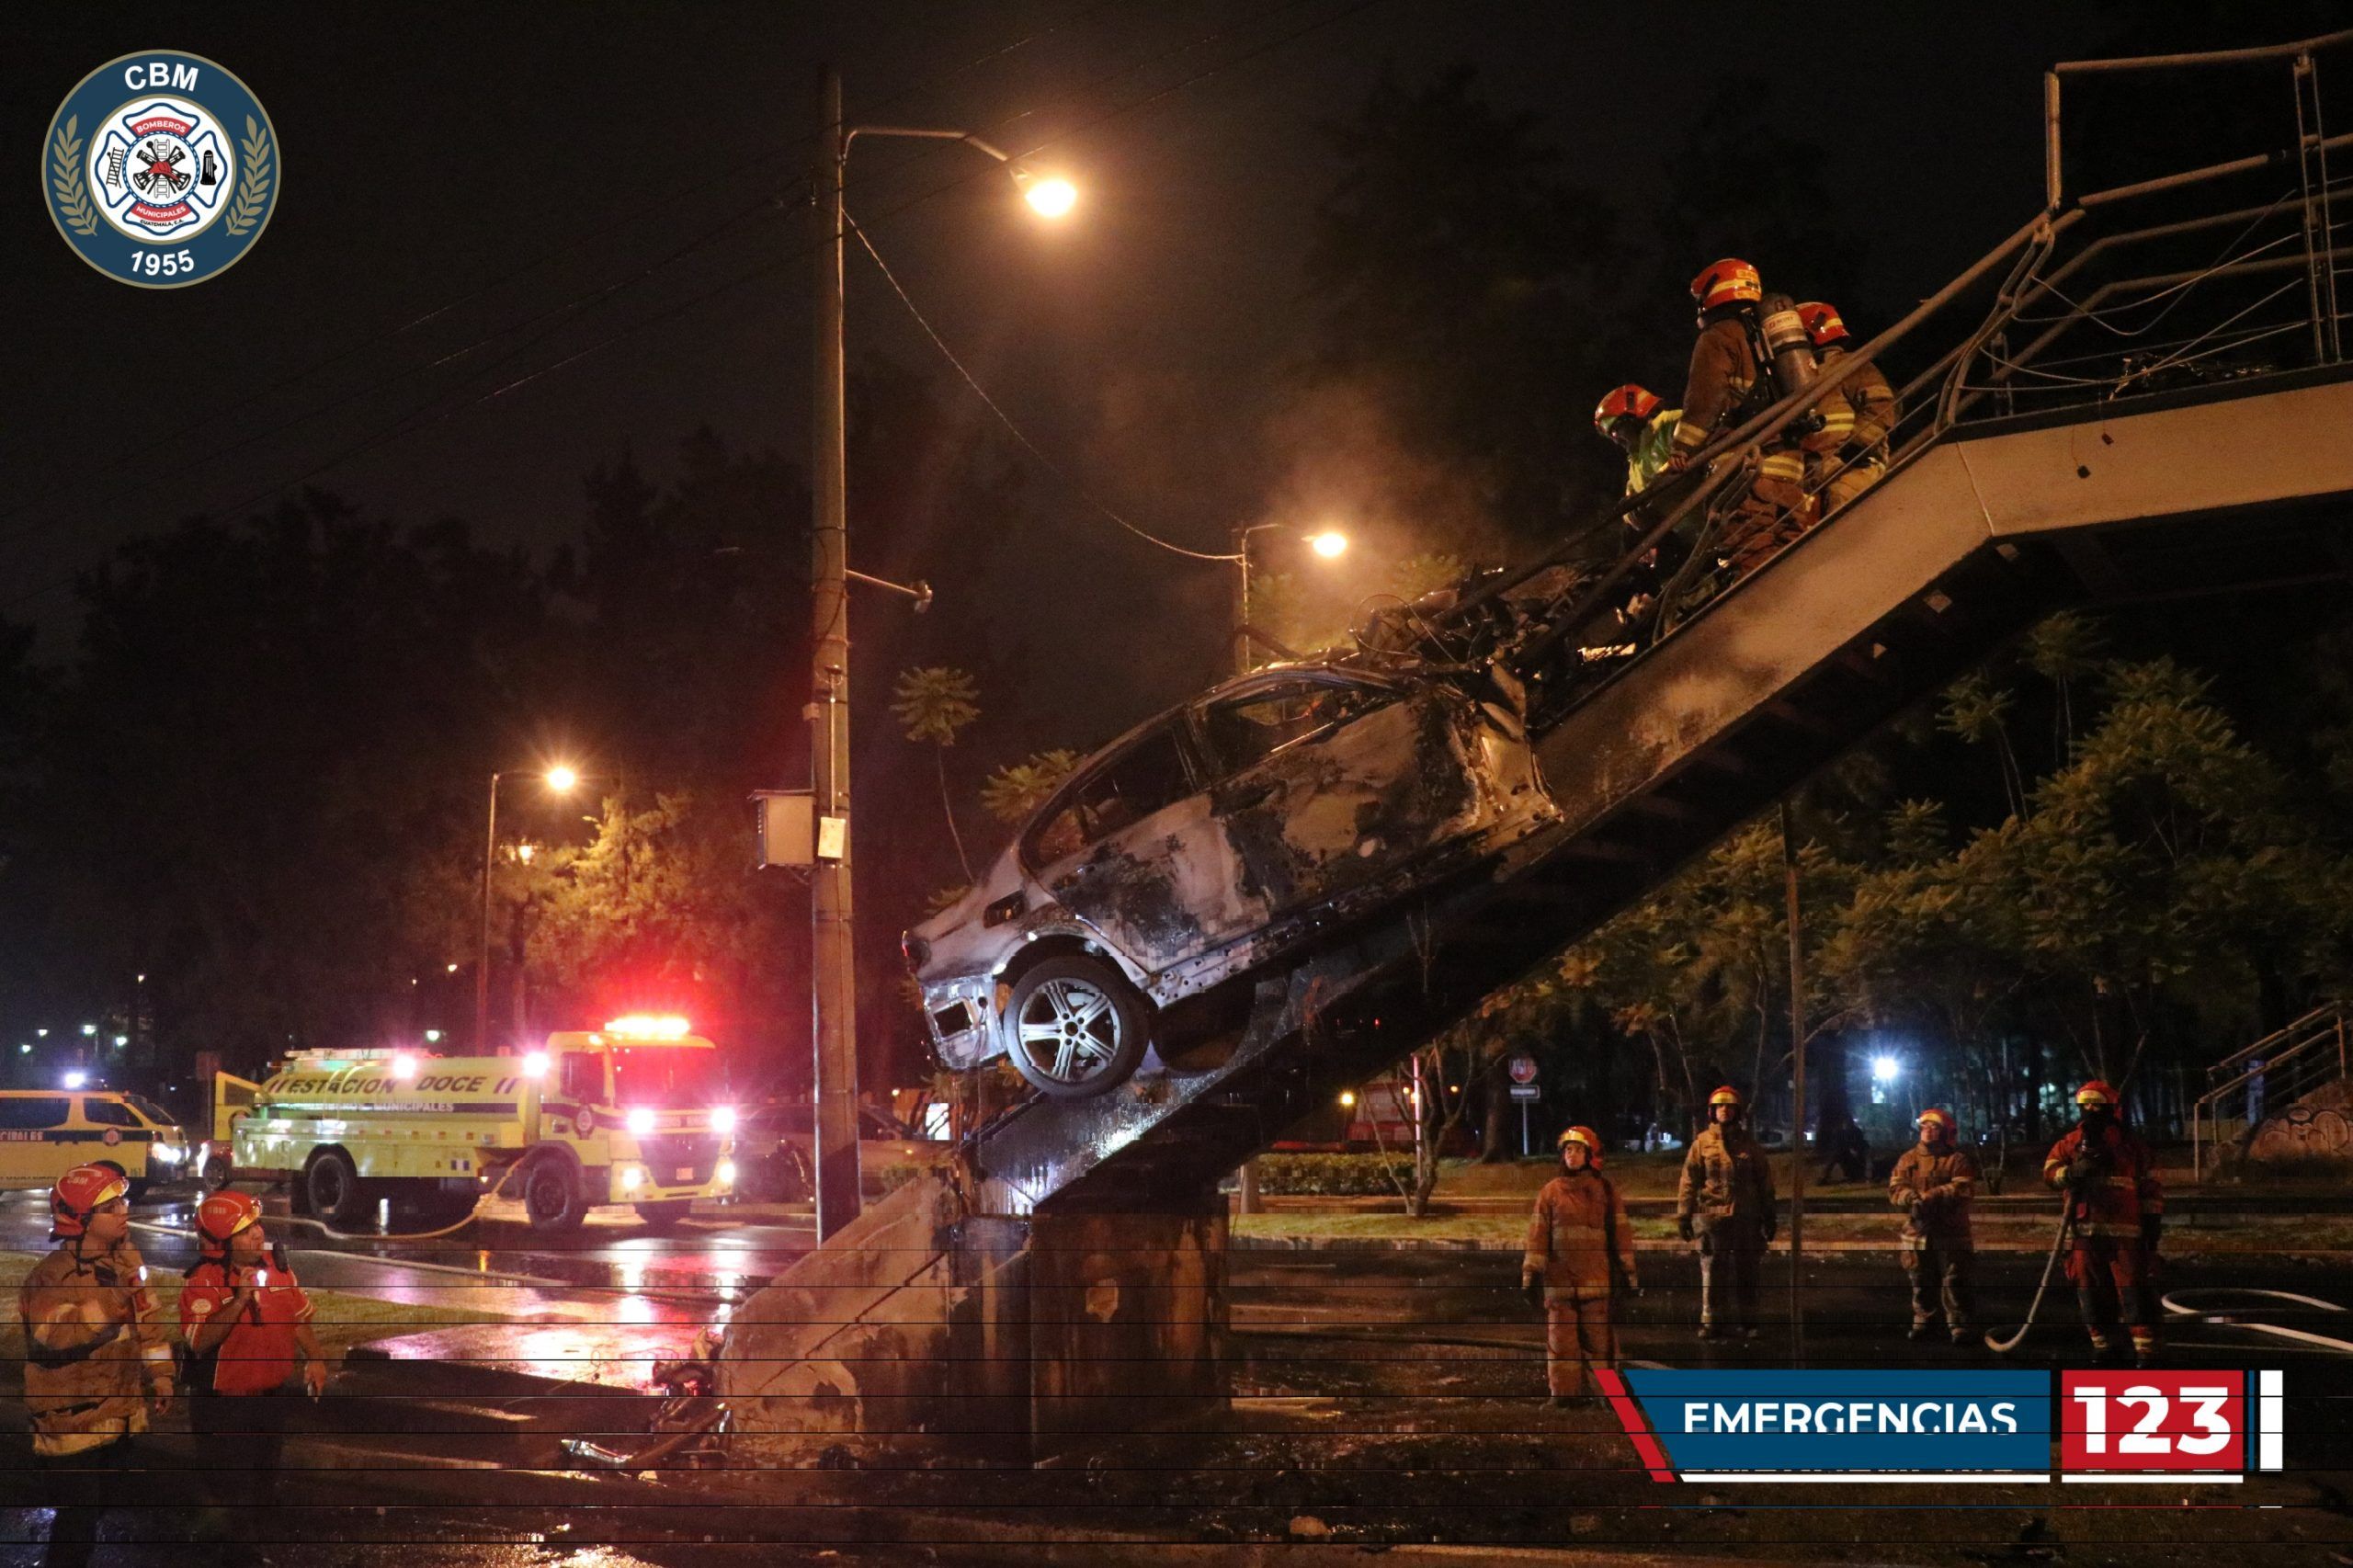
(160, 169)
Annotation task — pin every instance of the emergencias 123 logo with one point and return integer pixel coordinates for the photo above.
(160, 169)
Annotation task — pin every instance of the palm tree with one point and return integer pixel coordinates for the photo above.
(934, 703)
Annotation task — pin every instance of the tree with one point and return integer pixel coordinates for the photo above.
(1018, 788)
(934, 704)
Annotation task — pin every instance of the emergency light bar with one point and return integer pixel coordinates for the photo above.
(647, 1025)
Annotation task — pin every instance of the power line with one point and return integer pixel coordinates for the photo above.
(1007, 420)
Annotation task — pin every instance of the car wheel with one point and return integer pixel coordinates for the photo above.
(1074, 1027)
(664, 1218)
(333, 1186)
(552, 1199)
(215, 1173)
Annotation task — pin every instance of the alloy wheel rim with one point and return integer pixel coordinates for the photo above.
(1069, 1030)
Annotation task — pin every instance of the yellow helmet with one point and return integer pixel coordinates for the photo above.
(1585, 1135)
(1726, 1095)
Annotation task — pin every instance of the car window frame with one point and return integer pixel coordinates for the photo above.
(1214, 769)
(64, 1118)
(1175, 724)
(88, 1112)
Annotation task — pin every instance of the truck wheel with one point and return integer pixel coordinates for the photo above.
(1076, 1026)
(333, 1186)
(552, 1199)
(666, 1217)
(215, 1175)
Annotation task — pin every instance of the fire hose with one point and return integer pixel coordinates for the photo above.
(2003, 1347)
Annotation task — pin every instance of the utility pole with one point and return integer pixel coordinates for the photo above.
(833, 981)
(1797, 1093)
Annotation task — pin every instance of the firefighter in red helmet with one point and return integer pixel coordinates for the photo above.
(1724, 1207)
(2115, 1212)
(1580, 1254)
(1634, 420)
(98, 1361)
(246, 1318)
(1934, 1182)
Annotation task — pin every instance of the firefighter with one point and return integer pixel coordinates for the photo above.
(1632, 419)
(1933, 1183)
(1838, 473)
(1580, 1254)
(1724, 1206)
(97, 1363)
(2116, 1213)
(246, 1316)
(1729, 381)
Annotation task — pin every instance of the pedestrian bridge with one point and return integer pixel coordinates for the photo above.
(2100, 414)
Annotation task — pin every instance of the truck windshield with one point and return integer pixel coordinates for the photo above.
(667, 1077)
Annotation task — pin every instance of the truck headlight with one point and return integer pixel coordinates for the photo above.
(726, 1173)
(631, 1178)
(638, 1121)
(170, 1154)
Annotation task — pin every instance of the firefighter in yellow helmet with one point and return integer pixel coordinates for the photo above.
(1861, 413)
(2115, 1213)
(98, 1361)
(1729, 381)
(1933, 1183)
(1580, 1253)
(1724, 1206)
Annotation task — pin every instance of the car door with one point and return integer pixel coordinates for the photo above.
(1328, 784)
(1130, 848)
(28, 1154)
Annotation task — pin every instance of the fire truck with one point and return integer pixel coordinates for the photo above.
(634, 1113)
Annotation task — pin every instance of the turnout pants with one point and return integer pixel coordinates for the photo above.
(1731, 1254)
(2111, 1279)
(244, 1437)
(1942, 1275)
(1578, 1337)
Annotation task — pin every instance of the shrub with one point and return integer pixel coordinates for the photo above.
(1334, 1176)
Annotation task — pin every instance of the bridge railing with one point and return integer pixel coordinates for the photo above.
(2232, 270)
(2264, 1080)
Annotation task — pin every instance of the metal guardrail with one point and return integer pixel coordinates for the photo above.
(2268, 1079)
(2177, 312)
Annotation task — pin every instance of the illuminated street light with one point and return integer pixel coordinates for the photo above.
(1328, 544)
(75, 1080)
(89, 1029)
(1885, 1069)
(833, 962)
(1050, 198)
(561, 779)
(1348, 1099)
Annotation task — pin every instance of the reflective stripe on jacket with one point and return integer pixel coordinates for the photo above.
(1944, 1184)
(94, 1344)
(2121, 1192)
(1569, 1234)
(1870, 399)
(1649, 458)
(1724, 376)
(1724, 1178)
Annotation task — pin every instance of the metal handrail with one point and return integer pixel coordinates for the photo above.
(2323, 1025)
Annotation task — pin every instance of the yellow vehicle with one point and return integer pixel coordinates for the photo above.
(633, 1114)
(44, 1134)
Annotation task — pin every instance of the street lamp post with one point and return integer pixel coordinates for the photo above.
(832, 973)
(560, 779)
(1329, 544)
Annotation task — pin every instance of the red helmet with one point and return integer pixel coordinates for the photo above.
(1628, 401)
(222, 1216)
(2098, 1095)
(1937, 1116)
(1822, 323)
(1585, 1135)
(1726, 1095)
(1731, 282)
(82, 1192)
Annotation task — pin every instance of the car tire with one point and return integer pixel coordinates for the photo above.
(1074, 1027)
(552, 1199)
(216, 1174)
(664, 1218)
(332, 1184)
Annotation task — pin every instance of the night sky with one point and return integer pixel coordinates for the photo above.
(476, 197)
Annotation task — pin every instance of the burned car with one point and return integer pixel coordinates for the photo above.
(1210, 843)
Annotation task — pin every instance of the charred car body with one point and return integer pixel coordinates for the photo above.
(1210, 842)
